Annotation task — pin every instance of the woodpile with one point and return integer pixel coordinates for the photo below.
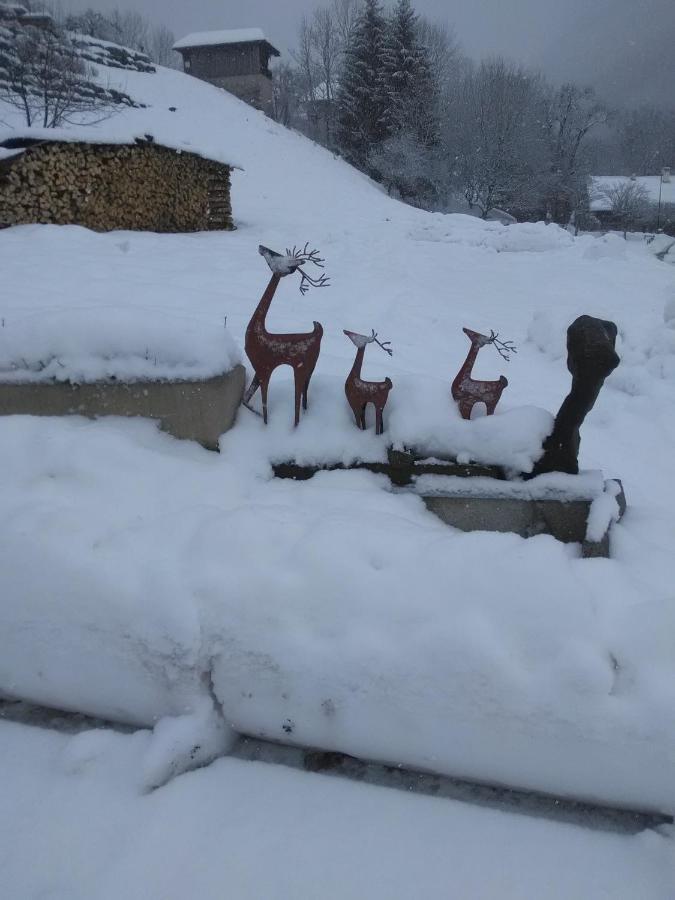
(139, 187)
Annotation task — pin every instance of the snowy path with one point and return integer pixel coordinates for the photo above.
(76, 826)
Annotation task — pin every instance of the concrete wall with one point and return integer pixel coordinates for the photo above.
(196, 410)
(144, 187)
(566, 521)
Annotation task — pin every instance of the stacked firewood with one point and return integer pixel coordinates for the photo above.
(143, 187)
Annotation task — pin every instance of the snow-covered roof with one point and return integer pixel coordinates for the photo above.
(5, 153)
(13, 141)
(217, 38)
(600, 184)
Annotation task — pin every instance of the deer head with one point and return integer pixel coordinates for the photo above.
(361, 340)
(504, 348)
(283, 264)
(480, 340)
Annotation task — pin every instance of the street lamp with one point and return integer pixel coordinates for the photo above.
(658, 212)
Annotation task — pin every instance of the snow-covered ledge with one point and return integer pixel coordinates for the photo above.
(181, 371)
(572, 508)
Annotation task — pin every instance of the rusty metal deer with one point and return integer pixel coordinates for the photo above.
(467, 391)
(268, 351)
(360, 393)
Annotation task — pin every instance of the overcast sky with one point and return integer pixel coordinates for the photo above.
(625, 46)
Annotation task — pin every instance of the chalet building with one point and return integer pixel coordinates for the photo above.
(138, 185)
(659, 192)
(236, 60)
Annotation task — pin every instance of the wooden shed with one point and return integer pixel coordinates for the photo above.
(236, 60)
(139, 185)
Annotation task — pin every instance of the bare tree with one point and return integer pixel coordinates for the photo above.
(629, 203)
(92, 23)
(130, 29)
(497, 146)
(327, 49)
(446, 59)
(570, 114)
(319, 57)
(304, 59)
(286, 94)
(345, 14)
(160, 47)
(49, 83)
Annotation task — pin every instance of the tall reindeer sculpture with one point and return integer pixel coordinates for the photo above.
(467, 391)
(268, 351)
(360, 393)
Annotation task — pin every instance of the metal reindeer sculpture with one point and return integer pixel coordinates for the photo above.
(268, 351)
(360, 393)
(466, 391)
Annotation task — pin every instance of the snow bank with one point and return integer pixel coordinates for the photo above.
(527, 237)
(334, 612)
(419, 415)
(83, 345)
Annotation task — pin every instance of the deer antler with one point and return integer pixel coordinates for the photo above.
(308, 256)
(504, 348)
(385, 345)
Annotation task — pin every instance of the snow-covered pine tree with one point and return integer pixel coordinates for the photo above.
(408, 80)
(362, 104)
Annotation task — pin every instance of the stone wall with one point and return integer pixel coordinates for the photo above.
(193, 410)
(141, 187)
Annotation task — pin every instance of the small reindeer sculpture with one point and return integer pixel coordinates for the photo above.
(466, 391)
(360, 393)
(268, 351)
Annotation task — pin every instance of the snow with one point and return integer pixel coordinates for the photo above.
(653, 184)
(215, 38)
(118, 131)
(143, 577)
(604, 510)
(6, 154)
(286, 596)
(89, 831)
(550, 486)
(85, 344)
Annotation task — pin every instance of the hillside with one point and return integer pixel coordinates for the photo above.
(337, 611)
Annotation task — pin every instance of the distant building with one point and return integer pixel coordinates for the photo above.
(660, 191)
(236, 60)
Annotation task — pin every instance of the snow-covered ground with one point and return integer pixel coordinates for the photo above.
(142, 576)
(77, 824)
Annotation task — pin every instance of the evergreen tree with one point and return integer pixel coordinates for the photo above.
(362, 103)
(408, 81)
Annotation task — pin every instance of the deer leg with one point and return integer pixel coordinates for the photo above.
(465, 408)
(379, 427)
(306, 387)
(250, 391)
(363, 417)
(298, 394)
(264, 384)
